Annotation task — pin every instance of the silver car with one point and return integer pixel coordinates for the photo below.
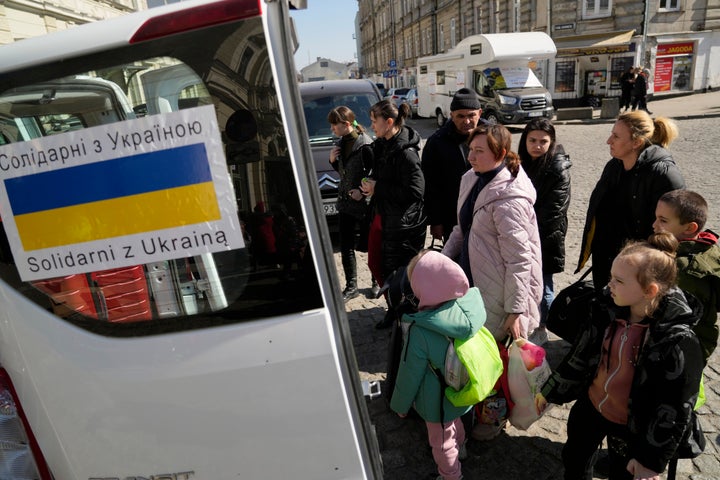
(396, 95)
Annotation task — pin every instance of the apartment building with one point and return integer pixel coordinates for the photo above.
(677, 40)
(21, 19)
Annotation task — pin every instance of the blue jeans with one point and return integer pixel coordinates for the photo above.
(547, 298)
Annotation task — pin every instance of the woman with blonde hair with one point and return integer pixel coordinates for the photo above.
(622, 204)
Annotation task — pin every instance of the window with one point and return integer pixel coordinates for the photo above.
(453, 33)
(669, 5)
(149, 280)
(441, 39)
(565, 76)
(597, 8)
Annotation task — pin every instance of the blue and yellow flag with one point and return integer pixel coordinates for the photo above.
(124, 196)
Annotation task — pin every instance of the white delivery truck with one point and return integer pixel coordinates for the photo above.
(499, 67)
(170, 303)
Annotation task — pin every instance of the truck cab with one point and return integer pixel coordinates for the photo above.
(511, 94)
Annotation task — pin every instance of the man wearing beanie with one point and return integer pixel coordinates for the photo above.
(444, 161)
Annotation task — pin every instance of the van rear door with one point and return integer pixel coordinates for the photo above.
(171, 307)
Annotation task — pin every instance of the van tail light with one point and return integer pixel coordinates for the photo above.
(20, 455)
(199, 17)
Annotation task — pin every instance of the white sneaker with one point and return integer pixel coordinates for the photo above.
(539, 336)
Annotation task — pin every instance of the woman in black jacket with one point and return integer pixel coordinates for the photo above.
(352, 159)
(622, 205)
(396, 187)
(548, 166)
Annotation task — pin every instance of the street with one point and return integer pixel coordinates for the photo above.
(535, 454)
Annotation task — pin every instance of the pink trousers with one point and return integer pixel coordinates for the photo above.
(445, 441)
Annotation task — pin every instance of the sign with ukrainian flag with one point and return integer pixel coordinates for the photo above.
(123, 194)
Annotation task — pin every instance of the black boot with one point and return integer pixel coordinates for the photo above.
(388, 319)
(350, 268)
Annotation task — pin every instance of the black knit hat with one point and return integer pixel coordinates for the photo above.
(465, 99)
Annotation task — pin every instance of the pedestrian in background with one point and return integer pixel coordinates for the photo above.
(548, 166)
(352, 159)
(444, 161)
(627, 81)
(622, 204)
(634, 372)
(640, 89)
(396, 186)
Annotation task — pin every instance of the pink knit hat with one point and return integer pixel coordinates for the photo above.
(436, 279)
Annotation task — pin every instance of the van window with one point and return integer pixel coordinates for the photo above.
(174, 176)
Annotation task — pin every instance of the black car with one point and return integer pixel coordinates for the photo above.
(318, 99)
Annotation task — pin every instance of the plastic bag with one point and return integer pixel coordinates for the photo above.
(481, 358)
(528, 369)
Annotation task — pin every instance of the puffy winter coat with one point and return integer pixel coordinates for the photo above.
(667, 375)
(352, 170)
(426, 344)
(552, 184)
(503, 249)
(698, 264)
(398, 197)
(622, 207)
(444, 161)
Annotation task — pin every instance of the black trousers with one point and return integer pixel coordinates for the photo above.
(586, 429)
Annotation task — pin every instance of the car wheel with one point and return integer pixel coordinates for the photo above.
(440, 118)
(492, 118)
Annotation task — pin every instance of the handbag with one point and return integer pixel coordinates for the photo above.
(571, 307)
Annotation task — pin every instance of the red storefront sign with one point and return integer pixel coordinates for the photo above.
(663, 74)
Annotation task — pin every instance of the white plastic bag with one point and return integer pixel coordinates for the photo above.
(528, 369)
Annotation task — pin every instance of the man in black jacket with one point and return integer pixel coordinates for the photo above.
(444, 161)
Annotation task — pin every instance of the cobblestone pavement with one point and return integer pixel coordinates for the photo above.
(535, 453)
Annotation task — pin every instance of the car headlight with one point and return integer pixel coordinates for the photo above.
(505, 100)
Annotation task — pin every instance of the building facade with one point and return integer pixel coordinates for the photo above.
(677, 40)
(21, 19)
(326, 69)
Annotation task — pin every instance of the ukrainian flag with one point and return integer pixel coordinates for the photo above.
(124, 196)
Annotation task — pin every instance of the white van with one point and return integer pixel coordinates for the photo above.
(171, 307)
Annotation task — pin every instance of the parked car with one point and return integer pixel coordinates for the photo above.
(412, 99)
(397, 95)
(318, 99)
(383, 90)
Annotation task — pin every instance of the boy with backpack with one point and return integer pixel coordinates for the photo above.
(447, 309)
(683, 213)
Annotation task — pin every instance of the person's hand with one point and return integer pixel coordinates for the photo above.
(436, 231)
(540, 403)
(367, 186)
(402, 415)
(640, 472)
(355, 194)
(334, 154)
(512, 325)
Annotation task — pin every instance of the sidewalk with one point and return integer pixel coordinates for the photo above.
(694, 105)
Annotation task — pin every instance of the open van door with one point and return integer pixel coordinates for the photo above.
(171, 307)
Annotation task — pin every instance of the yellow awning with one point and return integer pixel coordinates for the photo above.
(594, 44)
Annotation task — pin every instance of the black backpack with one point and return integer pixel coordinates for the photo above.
(570, 308)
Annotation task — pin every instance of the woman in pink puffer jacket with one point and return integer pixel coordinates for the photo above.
(496, 239)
